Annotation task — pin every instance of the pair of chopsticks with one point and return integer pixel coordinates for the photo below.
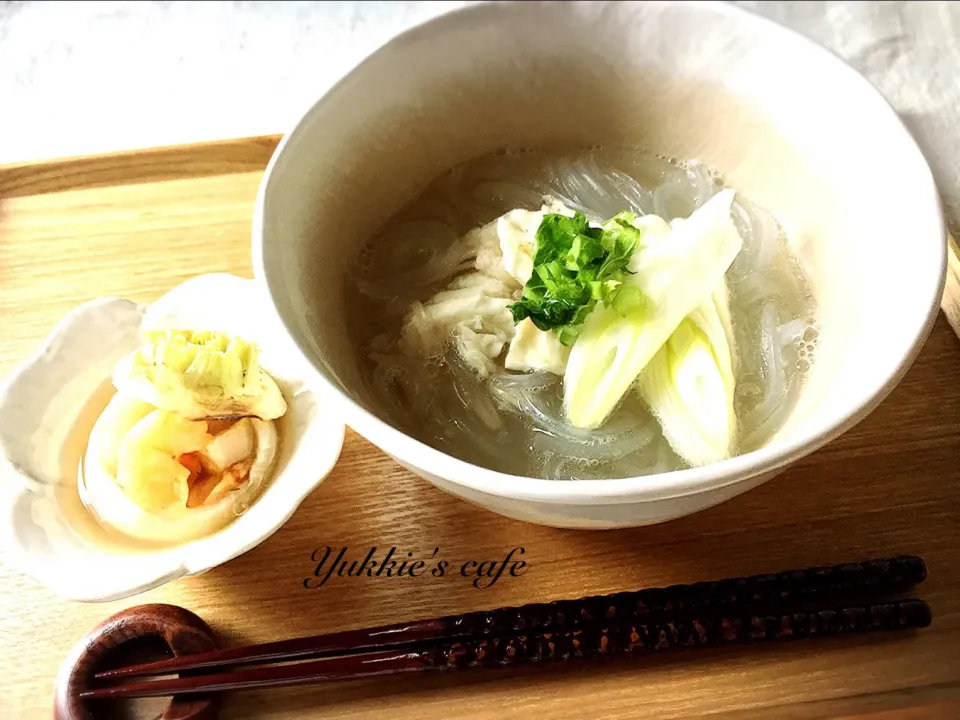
(843, 599)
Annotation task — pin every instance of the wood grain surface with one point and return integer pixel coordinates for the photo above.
(135, 225)
(950, 302)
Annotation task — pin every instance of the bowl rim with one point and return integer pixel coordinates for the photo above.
(662, 486)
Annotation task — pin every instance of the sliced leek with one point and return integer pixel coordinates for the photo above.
(675, 272)
(689, 384)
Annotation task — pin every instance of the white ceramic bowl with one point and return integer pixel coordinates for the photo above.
(786, 122)
(48, 406)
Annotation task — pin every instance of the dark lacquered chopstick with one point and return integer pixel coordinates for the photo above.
(810, 584)
(595, 640)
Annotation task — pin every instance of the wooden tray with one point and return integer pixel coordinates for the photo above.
(134, 225)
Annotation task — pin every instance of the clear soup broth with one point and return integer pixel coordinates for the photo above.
(513, 422)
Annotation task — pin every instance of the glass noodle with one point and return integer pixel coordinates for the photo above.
(513, 422)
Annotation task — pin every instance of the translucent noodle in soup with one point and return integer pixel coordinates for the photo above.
(513, 422)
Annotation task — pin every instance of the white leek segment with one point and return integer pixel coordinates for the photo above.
(689, 384)
(675, 272)
(199, 375)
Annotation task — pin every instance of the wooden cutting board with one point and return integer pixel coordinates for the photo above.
(134, 225)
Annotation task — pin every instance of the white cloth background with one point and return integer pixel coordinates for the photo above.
(89, 77)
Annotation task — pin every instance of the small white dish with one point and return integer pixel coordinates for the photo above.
(49, 404)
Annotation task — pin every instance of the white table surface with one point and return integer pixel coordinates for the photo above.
(87, 77)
